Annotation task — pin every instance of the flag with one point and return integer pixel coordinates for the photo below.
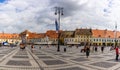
(57, 26)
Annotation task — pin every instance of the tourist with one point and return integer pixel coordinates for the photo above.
(102, 49)
(117, 53)
(32, 48)
(64, 49)
(87, 51)
(96, 48)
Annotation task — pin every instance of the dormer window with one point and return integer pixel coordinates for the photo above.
(119, 37)
(99, 36)
(109, 36)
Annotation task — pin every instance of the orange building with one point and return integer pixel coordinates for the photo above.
(10, 38)
(50, 37)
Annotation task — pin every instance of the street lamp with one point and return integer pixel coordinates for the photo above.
(115, 35)
(59, 12)
(47, 39)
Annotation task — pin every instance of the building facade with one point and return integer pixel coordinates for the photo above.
(77, 37)
(105, 37)
(10, 38)
(50, 37)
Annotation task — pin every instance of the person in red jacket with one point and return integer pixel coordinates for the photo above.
(117, 53)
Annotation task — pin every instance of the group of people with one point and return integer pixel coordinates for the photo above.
(95, 48)
(87, 49)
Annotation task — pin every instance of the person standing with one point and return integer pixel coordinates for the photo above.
(32, 46)
(96, 48)
(87, 51)
(117, 53)
(102, 49)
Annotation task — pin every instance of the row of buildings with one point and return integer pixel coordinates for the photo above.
(10, 38)
(76, 37)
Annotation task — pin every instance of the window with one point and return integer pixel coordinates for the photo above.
(119, 37)
(96, 39)
(99, 39)
(99, 35)
(81, 36)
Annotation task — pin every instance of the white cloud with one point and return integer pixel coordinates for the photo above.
(38, 15)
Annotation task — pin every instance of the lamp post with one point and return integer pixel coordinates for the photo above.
(115, 34)
(59, 12)
(47, 39)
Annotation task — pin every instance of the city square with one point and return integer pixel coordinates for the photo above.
(47, 58)
(59, 35)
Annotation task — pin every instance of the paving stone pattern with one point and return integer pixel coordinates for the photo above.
(54, 62)
(18, 63)
(20, 57)
(64, 56)
(72, 68)
(97, 57)
(80, 59)
(104, 64)
(50, 59)
(113, 60)
(45, 57)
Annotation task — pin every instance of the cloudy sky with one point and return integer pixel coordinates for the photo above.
(38, 15)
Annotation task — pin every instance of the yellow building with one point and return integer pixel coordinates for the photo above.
(79, 36)
(105, 37)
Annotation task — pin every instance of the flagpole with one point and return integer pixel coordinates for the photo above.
(59, 12)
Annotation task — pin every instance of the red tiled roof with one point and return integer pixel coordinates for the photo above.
(52, 34)
(105, 33)
(8, 36)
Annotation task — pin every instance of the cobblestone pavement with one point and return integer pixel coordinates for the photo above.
(47, 58)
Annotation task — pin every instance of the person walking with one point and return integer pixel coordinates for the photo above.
(96, 48)
(102, 49)
(87, 51)
(32, 46)
(117, 53)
